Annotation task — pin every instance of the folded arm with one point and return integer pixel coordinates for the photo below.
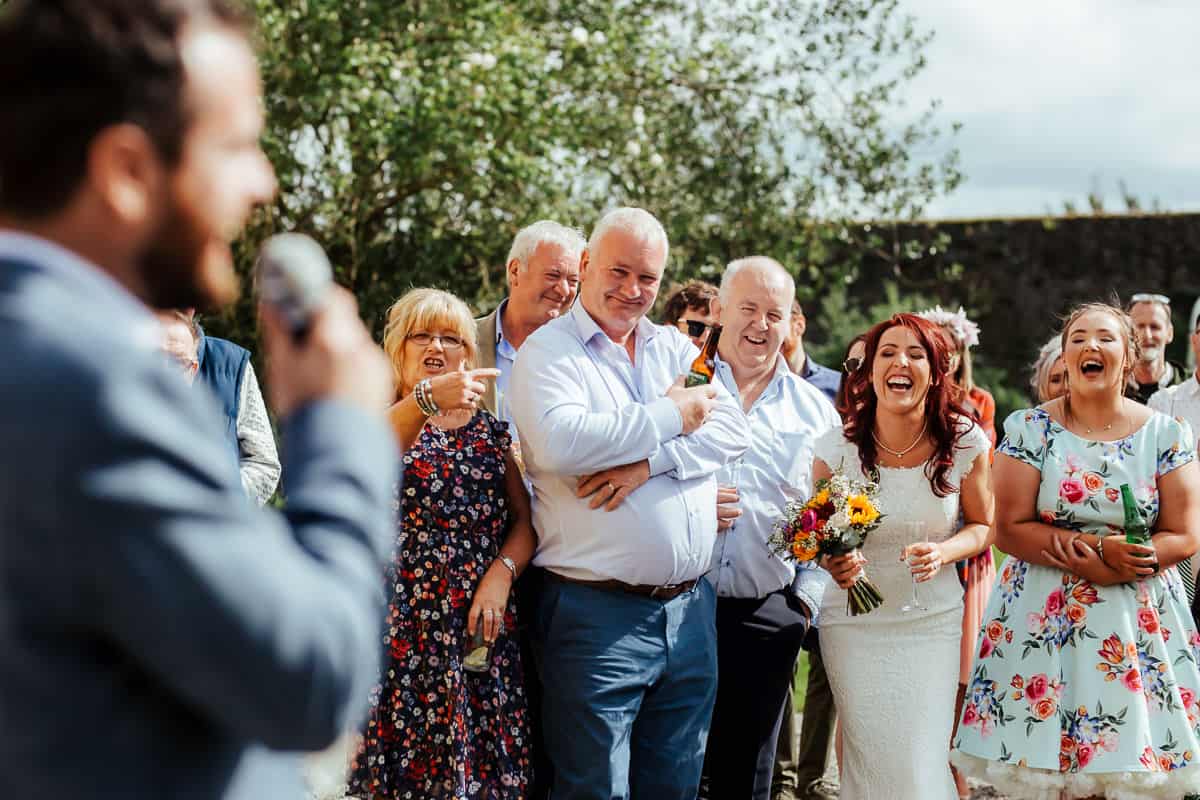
(558, 431)
(267, 623)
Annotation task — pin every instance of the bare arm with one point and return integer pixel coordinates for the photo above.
(1177, 531)
(496, 584)
(1020, 533)
(453, 391)
(978, 510)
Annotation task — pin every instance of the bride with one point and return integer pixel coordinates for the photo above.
(894, 673)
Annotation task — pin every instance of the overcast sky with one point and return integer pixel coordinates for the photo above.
(1059, 96)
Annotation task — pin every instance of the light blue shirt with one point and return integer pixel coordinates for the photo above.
(784, 423)
(506, 354)
(581, 407)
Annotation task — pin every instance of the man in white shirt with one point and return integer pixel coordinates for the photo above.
(764, 603)
(1183, 401)
(627, 627)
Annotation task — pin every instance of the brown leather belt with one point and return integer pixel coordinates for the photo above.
(663, 593)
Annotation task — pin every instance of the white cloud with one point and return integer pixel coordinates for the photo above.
(1058, 98)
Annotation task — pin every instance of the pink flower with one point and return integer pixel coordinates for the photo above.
(1132, 680)
(985, 647)
(1109, 741)
(1036, 687)
(1084, 753)
(1148, 620)
(1073, 465)
(1186, 696)
(1035, 621)
(970, 715)
(1072, 490)
(1055, 602)
(808, 520)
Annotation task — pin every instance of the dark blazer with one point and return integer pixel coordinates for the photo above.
(159, 636)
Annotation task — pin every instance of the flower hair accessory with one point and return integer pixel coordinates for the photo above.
(965, 331)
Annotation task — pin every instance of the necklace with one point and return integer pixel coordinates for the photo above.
(899, 454)
(1105, 429)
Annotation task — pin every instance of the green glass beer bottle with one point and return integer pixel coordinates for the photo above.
(1136, 531)
(704, 368)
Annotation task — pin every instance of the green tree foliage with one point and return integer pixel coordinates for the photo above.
(414, 138)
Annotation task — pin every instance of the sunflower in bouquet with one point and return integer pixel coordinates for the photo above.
(833, 522)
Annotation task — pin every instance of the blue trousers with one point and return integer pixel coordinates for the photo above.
(629, 688)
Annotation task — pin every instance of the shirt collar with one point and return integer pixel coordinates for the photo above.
(781, 374)
(589, 328)
(70, 266)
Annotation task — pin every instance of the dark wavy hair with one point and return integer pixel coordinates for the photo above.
(840, 400)
(948, 420)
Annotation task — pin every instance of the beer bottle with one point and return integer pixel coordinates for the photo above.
(1136, 531)
(704, 368)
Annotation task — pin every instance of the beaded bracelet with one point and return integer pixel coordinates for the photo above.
(423, 394)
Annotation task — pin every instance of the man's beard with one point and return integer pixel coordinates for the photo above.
(184, 267)
(1149, 355)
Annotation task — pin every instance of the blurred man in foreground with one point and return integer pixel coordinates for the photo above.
(159, 637)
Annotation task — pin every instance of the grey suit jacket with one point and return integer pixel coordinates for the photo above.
(485, 337)
(159, 636)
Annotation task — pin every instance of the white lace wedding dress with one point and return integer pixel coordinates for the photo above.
(893, 674)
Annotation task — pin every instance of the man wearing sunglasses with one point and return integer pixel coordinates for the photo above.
(1151, 314)
(689, 308)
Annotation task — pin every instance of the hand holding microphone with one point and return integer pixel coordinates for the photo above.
(317, 347)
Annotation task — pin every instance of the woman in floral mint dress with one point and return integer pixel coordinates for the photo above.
(1085, 682)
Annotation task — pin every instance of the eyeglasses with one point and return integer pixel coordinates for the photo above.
(695, 328)
(1149, 297)
(425, 339)
(851, 364)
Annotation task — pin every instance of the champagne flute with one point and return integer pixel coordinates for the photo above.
(914, 533)
(729, 476)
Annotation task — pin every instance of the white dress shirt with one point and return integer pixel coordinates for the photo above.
(784, 423)
(581, 407)
(1182, 401)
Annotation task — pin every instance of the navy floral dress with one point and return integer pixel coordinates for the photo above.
(436, 730)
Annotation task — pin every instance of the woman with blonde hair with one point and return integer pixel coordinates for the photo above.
(1049, 379)
(449, 717)
(1086, 683)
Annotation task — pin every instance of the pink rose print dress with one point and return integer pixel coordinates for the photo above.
(1087, 689)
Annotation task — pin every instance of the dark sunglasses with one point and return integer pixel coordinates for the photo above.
(851, 364)
(696, 328)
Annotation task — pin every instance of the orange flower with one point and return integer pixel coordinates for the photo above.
(1018, 682)
(995, 630)
(1044, 708)
(1085, 593)
(1064, 762)
(1066, 744)
(1112, 650)
(1076, 613)
(1092, 482)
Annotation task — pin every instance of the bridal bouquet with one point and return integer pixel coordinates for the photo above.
(833, 522)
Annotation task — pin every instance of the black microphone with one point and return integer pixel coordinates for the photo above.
(294, 276)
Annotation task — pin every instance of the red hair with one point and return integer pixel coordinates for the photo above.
(947, 419)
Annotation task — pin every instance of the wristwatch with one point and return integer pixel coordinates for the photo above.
(508, 562)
